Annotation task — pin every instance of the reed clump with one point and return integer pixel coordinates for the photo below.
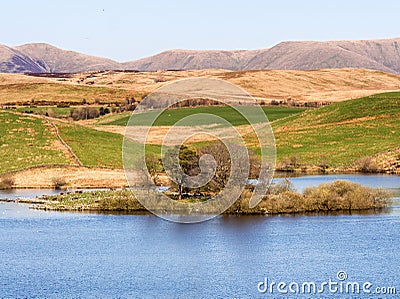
(330, 197)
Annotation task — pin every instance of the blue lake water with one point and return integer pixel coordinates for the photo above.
(73, 255)
(375, 181)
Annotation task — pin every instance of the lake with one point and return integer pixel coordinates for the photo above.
(75, 255)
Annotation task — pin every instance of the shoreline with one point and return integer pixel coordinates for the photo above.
(38, 204)
(114, 178)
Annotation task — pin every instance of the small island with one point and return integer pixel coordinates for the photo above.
(338, 196)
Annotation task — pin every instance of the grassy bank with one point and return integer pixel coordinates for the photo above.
(336, 196)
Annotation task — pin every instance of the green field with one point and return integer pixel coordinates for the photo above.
(171, 116)
(341, 133)
(93, 148)
(97, 148)
(26, 141)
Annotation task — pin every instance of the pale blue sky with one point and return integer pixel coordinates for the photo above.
(127, 30)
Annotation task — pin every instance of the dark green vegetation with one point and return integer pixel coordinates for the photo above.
(281, 199)
(188, 162)
(171, 116)
(46, 110)
(26, 141)
(341, 133)
(75, 112)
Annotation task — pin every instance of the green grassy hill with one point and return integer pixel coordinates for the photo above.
(341, 133)
(27, 141)
(336, 135)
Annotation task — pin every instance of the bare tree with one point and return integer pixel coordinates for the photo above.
(188, 163)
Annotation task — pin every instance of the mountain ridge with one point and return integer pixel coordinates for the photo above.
(379, 54)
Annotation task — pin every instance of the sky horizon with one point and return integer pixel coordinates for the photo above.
(130, 30)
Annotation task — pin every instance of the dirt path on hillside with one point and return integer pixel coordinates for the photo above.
(58, 144)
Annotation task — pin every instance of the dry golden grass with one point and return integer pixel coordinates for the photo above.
(74, 177)
(17, 88)
(323, 85)
(6, 79)
(388, 160)
(156, 135)
(316, 85)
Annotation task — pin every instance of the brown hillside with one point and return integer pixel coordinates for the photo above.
(378, 54)
(318, 85)
(303, 86)
(55, 60)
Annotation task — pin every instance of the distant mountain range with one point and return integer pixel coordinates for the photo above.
(382, 55)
